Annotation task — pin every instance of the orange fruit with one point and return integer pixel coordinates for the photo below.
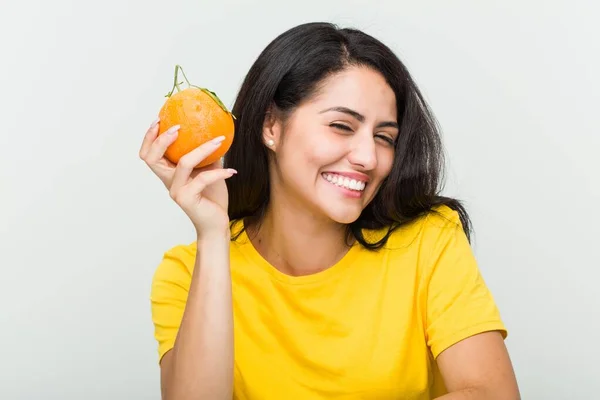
(201, 116)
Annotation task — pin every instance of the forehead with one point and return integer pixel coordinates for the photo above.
(361, 89)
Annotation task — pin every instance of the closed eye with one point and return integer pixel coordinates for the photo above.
(387, 139)
(346, 128)
(341, 126)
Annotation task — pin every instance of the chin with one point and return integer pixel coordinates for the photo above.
(344, 216)
(339, 205)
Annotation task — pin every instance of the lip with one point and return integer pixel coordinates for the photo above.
(354, 194)
(351, 175)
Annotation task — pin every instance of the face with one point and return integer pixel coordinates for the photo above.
(336, 149)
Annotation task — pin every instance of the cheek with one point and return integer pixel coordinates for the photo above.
(321, 156)
(312, 147)
(386, 162)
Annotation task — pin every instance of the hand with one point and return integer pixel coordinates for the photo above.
(200, 192)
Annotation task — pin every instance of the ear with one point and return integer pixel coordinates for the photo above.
(272, 128)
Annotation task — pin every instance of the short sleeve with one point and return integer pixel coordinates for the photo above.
(169, 292)
(458, 302)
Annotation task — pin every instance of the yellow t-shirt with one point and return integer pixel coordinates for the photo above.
(369, 327)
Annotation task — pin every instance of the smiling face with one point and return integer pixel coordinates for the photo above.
(336, 149)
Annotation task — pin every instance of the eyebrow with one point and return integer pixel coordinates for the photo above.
(361, 118)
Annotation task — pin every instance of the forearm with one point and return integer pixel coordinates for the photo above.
(203, 353)
(478, 394)
(465, 394)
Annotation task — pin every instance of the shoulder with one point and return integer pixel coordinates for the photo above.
(427, 231)
(443, 216)
(440, 225)
(177, 262)
(175, 267)
(434, 241)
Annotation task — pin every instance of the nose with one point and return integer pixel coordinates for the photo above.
(363, 153)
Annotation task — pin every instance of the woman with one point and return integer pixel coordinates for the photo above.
(326, 265)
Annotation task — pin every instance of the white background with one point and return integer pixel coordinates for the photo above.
(84, 223)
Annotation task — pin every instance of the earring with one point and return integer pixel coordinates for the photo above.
(270, 142)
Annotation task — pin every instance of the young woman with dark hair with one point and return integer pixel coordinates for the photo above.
(326, 265)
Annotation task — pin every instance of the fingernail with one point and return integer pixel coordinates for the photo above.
(173, 130)
(156, 121)
(218, 140)
(232, 171)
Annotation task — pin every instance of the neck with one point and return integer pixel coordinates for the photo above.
(296, 242)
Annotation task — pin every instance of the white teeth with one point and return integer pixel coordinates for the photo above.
(348, 183)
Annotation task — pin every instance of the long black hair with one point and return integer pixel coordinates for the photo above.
(287, 73)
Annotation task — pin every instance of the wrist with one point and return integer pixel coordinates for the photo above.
(213, 236)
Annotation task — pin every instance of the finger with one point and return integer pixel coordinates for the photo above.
(196, 186)
(164, 169)
(149, 137)
(160, 145)
(188, 162)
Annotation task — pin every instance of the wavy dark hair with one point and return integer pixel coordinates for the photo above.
(287, 73)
